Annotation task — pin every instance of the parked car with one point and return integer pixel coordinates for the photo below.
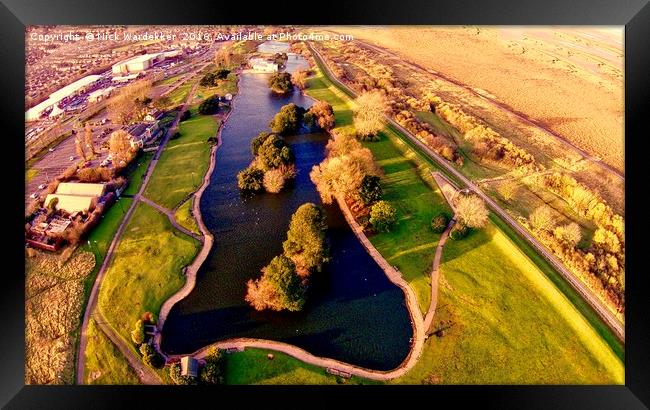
(42, 186)
(51, 150)
(34, 195)
(71, 157)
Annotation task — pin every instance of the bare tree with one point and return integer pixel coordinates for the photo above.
(542, 218)
(299, 79)
(88, 138)
(369, 113)
(79, 148)
(471, 211)
(119, 146)
(222, 57)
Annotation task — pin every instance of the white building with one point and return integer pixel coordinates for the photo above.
(143, 62)
(35, 112)
(262, 65)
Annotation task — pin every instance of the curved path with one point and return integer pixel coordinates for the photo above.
(435, 275)
(607, 316)
(171, 217)
(92, 300)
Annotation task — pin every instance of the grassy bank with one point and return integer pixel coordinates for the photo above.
(183, 163)
(146, 269)
(252, 366)
(185, 218)
(105, 364)
(505, 313)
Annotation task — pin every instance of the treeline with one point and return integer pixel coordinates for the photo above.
(284, 282)
(604, 259)
(488, 145)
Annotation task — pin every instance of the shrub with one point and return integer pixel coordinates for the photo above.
(280, 83)
(250, 179)
(213, 371)
(382, 216)
(439, 223)
(150, 357)
(459, 231)
(137, 334)
(471, 211)
(273, 181)
(257, 142)
(370, 190)
(186, 115)
(175, 135)
(175, 375)
(209, 106)
(273, 153)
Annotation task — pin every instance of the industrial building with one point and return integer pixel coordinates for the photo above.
(142, 62)
(36, 111)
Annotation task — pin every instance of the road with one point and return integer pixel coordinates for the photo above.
(502, 106)
(603, 312)
(92, 300)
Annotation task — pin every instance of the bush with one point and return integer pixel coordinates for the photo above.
(273, 181)
(150, 357)
(439, 223)
(287, 120)
(213, 371)
(209, 106)
(137, 334)
(305, 243)
(280, 83)
(257, 142)
(370, 190)
(382, 216)
(175, 375)
(175, 135)
(250, 179)
(186, 115)
(459, 231)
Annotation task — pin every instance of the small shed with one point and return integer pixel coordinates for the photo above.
(189, 366)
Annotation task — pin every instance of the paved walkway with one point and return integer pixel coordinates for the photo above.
(92, 300)
(170, 215)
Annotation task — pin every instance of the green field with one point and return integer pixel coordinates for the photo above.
(253, 367)
(169, 80)
(509, 319)
(183, 163)
(227, 86)
(179, 95)
(146, 269)
(105, 364)
(411, 244)
(185, 218)
(136, 175)
(509, 323)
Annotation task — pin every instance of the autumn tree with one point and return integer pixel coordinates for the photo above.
(280, 83)
(471, 211)
(119, 146)
(542, 218)
(508, 189)
(287, 120)
(137, 334)
(279, 287)
(569, 233)
(324, 115)
(130, 104)
(369, 113)
(299, 79)
(79, 148)
(222, 57)
(88, 138)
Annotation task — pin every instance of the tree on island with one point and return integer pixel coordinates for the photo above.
(369, 114)
(287, 120)
(250, 179)
(305, 243)
(273, 153)
(280, 83)
(324, 115)
(279, 287)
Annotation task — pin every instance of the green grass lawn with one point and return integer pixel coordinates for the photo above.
(169, 80)
(136, 175)
(229, 85)
(146, 269)
(408, 186)
(30, 173)
(253, 367)
(105, 364)
(183, 163)
(185, 218)
(179, 95)
(510, 323)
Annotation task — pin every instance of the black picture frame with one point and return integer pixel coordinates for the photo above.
(634, 14)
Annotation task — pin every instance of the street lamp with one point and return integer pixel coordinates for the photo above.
(193, 178)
